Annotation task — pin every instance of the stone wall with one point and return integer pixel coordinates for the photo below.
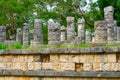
(60, 63)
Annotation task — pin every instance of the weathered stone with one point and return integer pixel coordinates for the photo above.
(96, 58)
(63, 34)
(9, 58)
(26, 34)
(88, 36)
(100, 31)
(9, 65)
(118, 33)
(78, 67)
(17, 66)
(82, 58)
(67, 66)
(30, 66)
(70, 29)
(30, 58)
(97, 66)
(24, 66)
(47, 66)
(37, 65)
(53, 32)
(81, 31)
(89, 58)
(64, 58)
(37, 37)
(111, 58)
(87, 67)
(54, 58)
(2, 33)
(19, 35)
(56, 66)
(23, 58)
(74, 58)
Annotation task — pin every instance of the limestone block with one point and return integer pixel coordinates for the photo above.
(114, 67)
(119, 66)
(9, 58)
(54, 58)
(47, 66)
(96, 58)
(2, 65)
(64, 58)
(16, 66)
(37, 58)
(3, 59)
(106, 67)
(118, 58)
(30, 66)
(82, 58)
(16, 59)
(30, 58)
(89, 58)
(37, 65)
(24, 58)
(111, 57)
(9, 66)
(67, 66)
(87, 67)
(74, 58)
(56, 66)
(24, 66)
(97, 66)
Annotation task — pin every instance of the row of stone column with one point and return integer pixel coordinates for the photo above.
(107, 30)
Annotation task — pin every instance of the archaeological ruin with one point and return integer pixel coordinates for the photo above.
(97, 62)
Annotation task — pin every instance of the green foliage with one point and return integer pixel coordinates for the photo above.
(15, 45)
(3, 46)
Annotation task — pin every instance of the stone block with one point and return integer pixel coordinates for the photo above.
(37, 58)
(111, 58)
(24, 58)
(56, 66)
(9, 66)
(2, 65)
(54, 58)
(96, 58)
(9, 58)
(89, 58)
(16, 66)
(67, 66)
(106, 67)
(97, 66)
(3, 59)
(24, 66)
(64, 58)
(74, 58)
(30, 58)
(82, 58)
(118, 58)
(114, 67)
(87, 67)
(37, 65)
(47, 66)
(30, 66)
(16, 59)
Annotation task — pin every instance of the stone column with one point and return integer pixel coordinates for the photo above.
(63, 34)
(115, 30)
(37, 37)
(118, 33)
(19, 35)
(81, 32)
(70, 29)
(88, 36)
(108, 15)
(53, 33)
(26, 34)
(100, 31)
(2, 33)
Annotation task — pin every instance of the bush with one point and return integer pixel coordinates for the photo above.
(16, 45)
(3, 46)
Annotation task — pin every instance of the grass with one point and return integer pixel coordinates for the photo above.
(65, 45)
